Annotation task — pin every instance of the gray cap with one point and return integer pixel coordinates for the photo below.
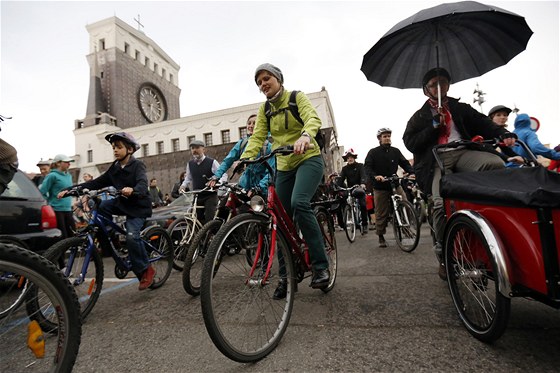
(271, 69)
(495, 109)
(197, 143)
(62, 158)
(44, 162)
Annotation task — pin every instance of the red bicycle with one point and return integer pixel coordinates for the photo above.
(501, 241)
(245, 262)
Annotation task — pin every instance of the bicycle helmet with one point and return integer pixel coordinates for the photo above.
(349, 152)
(382, 131)
(125, 137)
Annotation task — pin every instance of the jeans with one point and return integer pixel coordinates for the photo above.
(295, 189)
(136, 251)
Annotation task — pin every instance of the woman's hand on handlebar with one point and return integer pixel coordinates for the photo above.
(61, 194)
(302, 144)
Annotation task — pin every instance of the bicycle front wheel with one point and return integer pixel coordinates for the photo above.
(349, 223)
(70, 256)
(160, 253)
(406, 227)
(241, 316)
(472, 279)
(24, 345)
(182, 232)
(196, 254)
(327, 230)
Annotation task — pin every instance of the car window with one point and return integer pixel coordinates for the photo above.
(21, 187)
(183, 200)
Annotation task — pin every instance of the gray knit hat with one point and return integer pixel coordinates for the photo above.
(271, 69)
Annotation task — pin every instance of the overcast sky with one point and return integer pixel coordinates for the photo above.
(45, 75)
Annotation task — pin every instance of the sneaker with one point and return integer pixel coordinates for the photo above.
(382, 242)
(147, 278)
(442, 273)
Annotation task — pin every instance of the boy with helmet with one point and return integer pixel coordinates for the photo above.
(432, 125)
(354, 174)
(381, 162)
(128, 175)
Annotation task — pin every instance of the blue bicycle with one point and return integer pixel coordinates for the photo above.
(82, 259)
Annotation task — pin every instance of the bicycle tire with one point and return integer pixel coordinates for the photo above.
(407, 235)
(243, 320)
(357, 217)
(13, 283)
(73, 250)
(326, 225)
(471, 277)
(349, 223)
(177, 230)
(61, 345)
(158, 237)
(194, 261)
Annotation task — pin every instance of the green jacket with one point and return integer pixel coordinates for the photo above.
(55, 182)
(285, 133)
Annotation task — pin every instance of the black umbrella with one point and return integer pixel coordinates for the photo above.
(466, 38)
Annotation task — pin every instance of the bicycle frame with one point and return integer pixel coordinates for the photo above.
(395, 199)
(98, 227)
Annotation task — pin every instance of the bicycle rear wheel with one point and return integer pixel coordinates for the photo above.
(327, 229)
(11, 283)
(24, 345)
(349, 223)
(472, 280)
(160, 253)
(195, 256)
(73, 252)
(406, 227)
(241, 316)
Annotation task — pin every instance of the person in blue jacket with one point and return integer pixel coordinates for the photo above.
(529, 136)
(255, 177)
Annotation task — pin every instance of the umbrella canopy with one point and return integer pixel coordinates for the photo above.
(466, 38)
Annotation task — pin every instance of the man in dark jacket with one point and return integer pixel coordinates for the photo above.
(433, 124)
(354, 174)
(381, 162)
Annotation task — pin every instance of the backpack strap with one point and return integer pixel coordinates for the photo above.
(292, 106)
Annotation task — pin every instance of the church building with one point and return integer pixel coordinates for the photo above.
(134, 88)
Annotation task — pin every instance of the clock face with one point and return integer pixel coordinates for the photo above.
(152, 104)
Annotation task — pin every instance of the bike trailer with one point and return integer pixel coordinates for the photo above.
(521, 207)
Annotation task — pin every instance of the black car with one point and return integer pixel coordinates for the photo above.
(25, 215)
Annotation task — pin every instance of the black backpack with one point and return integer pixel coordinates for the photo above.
(292, 106)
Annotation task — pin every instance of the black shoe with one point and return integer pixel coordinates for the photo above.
(382, 242)
(364, 229)
(320, 279)
(442, 273)
(281, 291)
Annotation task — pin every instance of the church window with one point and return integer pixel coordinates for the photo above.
(90, 156)
(101, 44)
(226, 137)
(171, 78)
(126, 48)
(159, 147)
(208, 139)
(136, 55)
(175, 145)
(163, 72)
(190, 139)
(242, 132)
(145, 150)
(147, 62)
(156, 67)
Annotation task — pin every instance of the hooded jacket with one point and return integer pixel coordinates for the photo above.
(420, 136)
(285, 130)
(528, 135)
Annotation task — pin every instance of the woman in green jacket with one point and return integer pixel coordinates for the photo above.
(299, 174)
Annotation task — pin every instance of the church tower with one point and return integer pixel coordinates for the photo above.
(133, 82)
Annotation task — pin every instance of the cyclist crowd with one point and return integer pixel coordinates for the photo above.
(442, 119)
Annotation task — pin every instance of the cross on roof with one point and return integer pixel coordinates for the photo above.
(138, 21)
